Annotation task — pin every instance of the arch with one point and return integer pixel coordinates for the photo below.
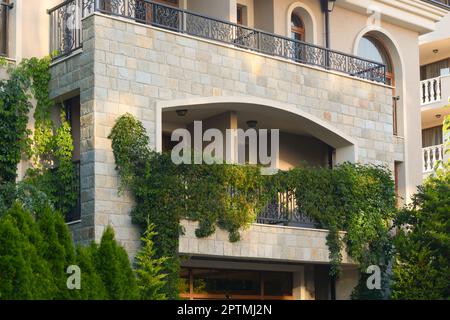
(346, 147)
(308, 17)
(390, 44)
(396, 55)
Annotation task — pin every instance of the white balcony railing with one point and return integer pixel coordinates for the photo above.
(430, 91)
(431, 156)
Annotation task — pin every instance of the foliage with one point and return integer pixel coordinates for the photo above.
(58, 250)
(422, 260)
(56, 175)
(356, 198)
(92, 287)
(24, 273)
(114, 268)
(149, 269)
(14, 108)
(50, 148)
(35, 252)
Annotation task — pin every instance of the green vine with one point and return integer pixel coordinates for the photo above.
(50, 148)
(357, 199)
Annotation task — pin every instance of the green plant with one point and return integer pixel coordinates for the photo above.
(14, 108)
(357, 199)
(57, 249)
(92, 287)
(150, 269)
(422, 259)
(24, 273)
(51, 147)
(114, 269)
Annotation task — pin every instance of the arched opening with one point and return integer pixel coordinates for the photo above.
(370, 47)
(297, 27)
(301, 24)
(303, 139)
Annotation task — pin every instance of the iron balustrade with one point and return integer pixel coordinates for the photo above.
(283, 210)
(4, 13)
(66, 34)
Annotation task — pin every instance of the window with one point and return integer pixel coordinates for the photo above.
(372, 49)
(435, 69)
(235, 284)
(297, 28)
(432, 137)
(240, 14)
(4, 28)
(73, 116)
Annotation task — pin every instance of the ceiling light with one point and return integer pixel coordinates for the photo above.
(182, 113)
(252, 123)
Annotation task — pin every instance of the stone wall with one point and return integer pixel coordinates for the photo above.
(127, 67)
(261, 242)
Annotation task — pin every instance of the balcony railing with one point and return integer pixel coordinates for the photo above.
(431, 157)
(4, 10)
(66, 35)
(430, 91)
(284, 211)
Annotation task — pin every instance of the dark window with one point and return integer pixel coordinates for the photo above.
(235, 284)
(4, 28)
(435, 69)
(432, 137)
(297, 27)
(72, 109)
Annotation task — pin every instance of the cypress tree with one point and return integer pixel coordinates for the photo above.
(24, 274)
(92, 287)
(58, 250)
(114, 268)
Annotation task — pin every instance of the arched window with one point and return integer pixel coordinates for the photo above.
(372, 49)
(297, 27)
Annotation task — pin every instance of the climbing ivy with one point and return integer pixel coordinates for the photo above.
(358, 199)
(49, 146)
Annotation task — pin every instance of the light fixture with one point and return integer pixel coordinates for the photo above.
(252, 123)
(328, 5)
(182, 112)
(435, 51)
(331, 4)
(438, 116)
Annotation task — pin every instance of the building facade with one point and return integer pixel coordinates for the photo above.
(339, 80)
(435, 93)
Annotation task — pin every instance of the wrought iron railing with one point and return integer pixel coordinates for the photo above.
(4, 13)
(66, 35)
(284, 211)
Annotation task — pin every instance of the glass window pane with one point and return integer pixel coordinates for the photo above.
(371, 49)
(226, 282)
(277, 284)
(183, 285)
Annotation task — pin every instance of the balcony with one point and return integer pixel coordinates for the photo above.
(66, 34)
(441, 3)
(435, 92)
(431, 157)
(430, 91)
